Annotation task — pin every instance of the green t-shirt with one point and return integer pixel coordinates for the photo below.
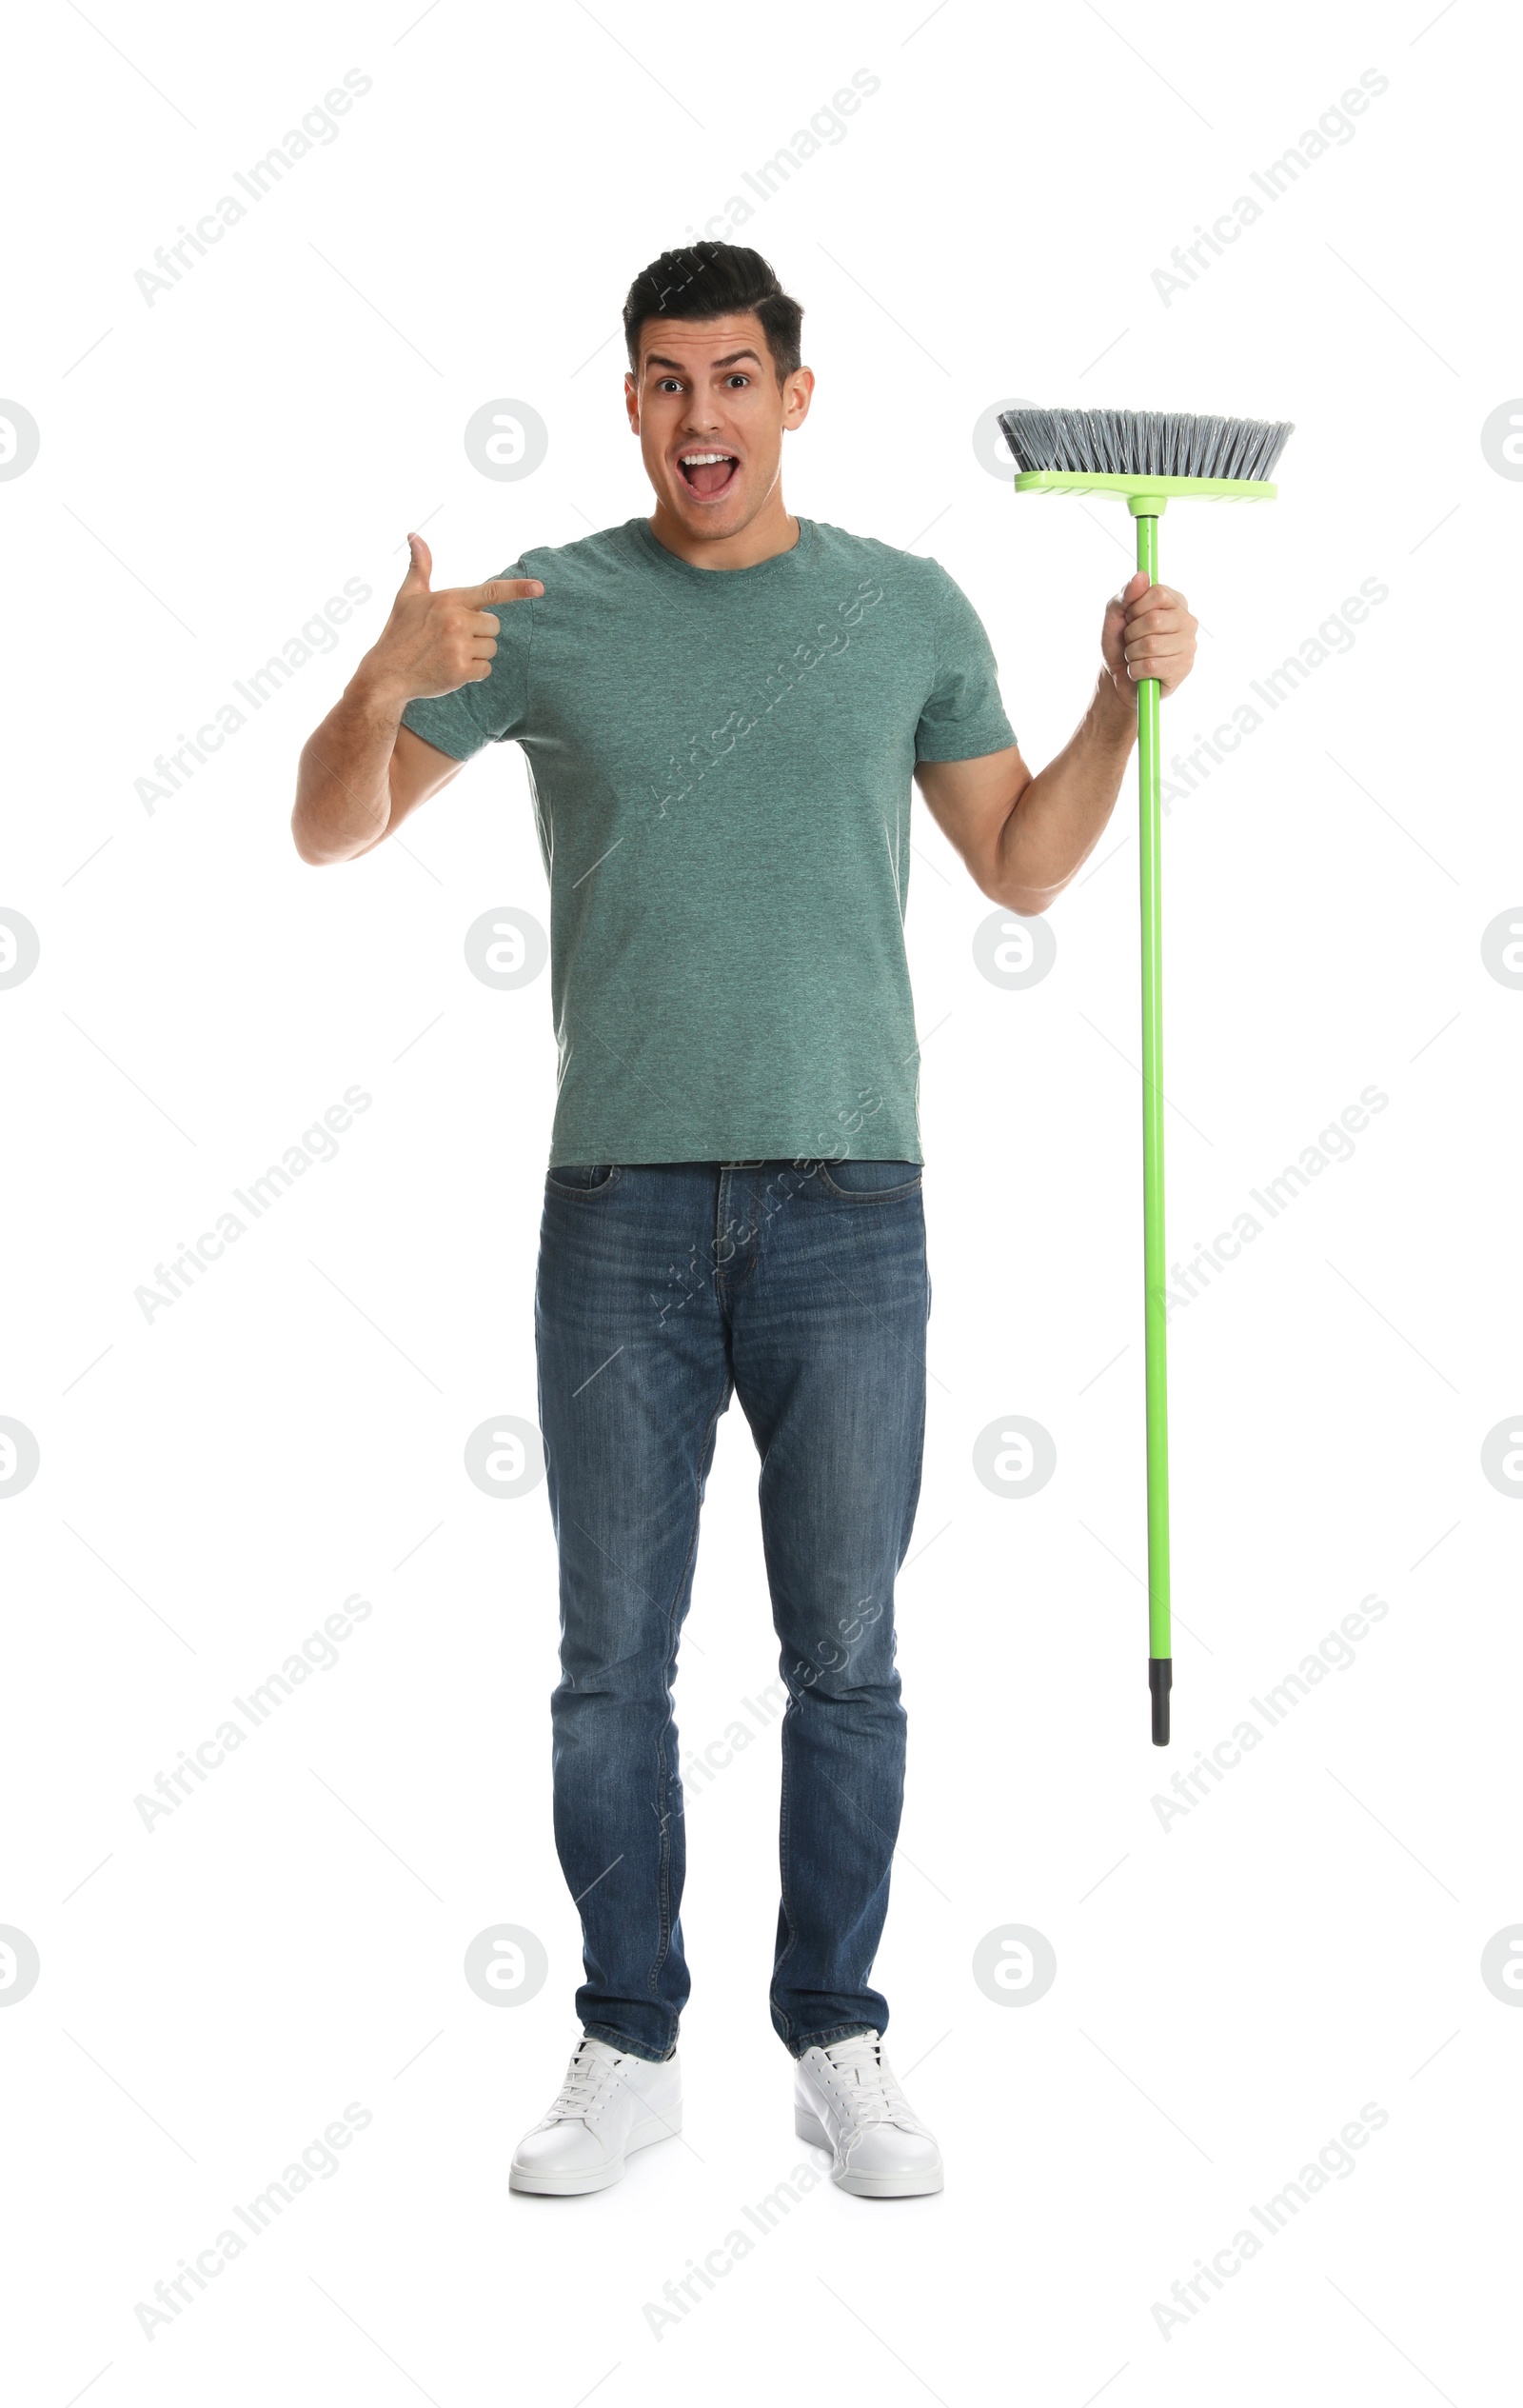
(721, 763)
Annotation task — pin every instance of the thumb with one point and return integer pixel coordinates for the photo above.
(420, 567)
(1134, 587)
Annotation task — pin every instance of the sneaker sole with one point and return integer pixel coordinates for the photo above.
(916, 2185)
(576, 2182)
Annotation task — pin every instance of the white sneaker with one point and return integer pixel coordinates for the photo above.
(609, 2105)
(847, 2100)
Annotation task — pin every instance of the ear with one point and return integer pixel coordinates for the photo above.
(632, 402)
(797, 394)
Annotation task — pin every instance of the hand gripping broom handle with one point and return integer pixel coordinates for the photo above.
(1161, 1656)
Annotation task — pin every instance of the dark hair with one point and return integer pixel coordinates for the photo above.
(715, 279)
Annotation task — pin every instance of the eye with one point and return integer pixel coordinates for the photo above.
(738, 376)
(670, 384)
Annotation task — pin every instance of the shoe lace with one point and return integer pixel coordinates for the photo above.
(587, 2078)
(868, 2090)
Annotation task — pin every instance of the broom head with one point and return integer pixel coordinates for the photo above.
(1146, 454)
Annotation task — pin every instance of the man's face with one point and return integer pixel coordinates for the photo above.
(711, 415)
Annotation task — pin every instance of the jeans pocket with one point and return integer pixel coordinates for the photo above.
(870, 1183)
(581, 1181)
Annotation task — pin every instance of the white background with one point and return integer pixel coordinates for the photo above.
(1232, 1985)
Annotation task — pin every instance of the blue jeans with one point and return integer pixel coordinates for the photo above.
(662, 1289)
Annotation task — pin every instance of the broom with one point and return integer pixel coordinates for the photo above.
(1149, 456)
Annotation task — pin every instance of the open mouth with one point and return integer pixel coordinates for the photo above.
(708, 474)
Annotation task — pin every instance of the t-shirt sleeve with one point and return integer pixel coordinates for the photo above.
(489, 709)
(963, 715)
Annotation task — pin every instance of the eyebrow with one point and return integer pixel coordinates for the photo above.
(654, 359)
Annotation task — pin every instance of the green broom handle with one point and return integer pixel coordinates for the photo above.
(1160, 1650)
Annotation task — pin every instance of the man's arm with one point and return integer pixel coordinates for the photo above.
(1024, 837)
(362, 771)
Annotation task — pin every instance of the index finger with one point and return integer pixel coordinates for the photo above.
(1148, 610)
(505, 589)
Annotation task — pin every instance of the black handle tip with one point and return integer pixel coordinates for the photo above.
(1160, 1680)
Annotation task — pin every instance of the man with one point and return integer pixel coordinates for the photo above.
(723, 709)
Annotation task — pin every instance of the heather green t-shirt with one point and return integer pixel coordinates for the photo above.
(721, 763)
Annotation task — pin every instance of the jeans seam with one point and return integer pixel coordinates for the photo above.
(870, 1195)
(782, 1862)
(653, 1977)
(585, 1195)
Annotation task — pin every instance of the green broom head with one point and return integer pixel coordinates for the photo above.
(1146, 454)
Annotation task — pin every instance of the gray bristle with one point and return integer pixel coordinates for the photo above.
(1144, 442)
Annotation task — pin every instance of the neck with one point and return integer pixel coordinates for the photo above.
(762, 538)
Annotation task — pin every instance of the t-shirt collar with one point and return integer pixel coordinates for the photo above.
(658, 552)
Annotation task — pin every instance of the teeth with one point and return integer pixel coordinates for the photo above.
(705, 459)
